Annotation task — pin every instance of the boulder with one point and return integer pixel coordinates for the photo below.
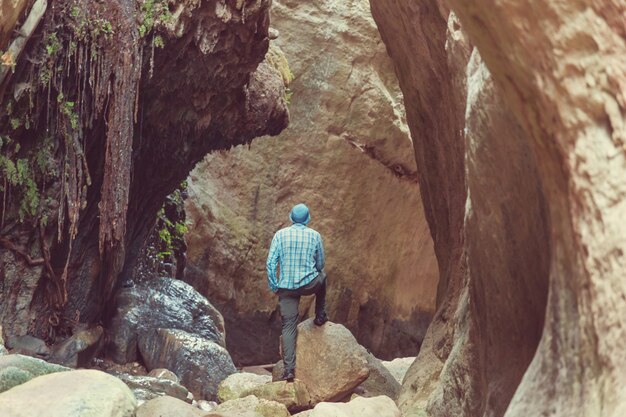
(399, 367)
(163, 373)
(201, 364)
(205, 405)
(146, 388)
(236, 384)
(294, 395)
(329, 361)
(359, 407)
(168, 407)
(78, 349)
(18, 369)
(82, 393)
(28, 345)
(251, 404)
(161, 303)
(380, 380)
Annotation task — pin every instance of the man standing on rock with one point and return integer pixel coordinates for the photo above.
(299, 251)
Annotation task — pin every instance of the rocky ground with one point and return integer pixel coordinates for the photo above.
(174, 368)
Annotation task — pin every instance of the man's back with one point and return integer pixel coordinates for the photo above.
(299, 251)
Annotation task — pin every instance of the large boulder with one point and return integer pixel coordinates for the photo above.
(329, 361)
(146, 388)
(236, 384)
(18, 369)
(78, 349)
(168, 407)
(253, 405)
(359, 407)
(399, 367)
(82, 393)
(28, 345)
(200, 363)
(380, 380)
(161, 303)
(348, 154)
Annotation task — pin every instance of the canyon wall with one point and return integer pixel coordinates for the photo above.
(541, 138)
(348, 155)
(107, 117)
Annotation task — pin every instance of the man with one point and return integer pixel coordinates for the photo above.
(299, 252)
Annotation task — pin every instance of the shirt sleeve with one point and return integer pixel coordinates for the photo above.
(320, 259)
(272, 263)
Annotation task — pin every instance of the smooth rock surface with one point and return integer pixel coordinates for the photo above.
(359, 407)
(348, 155)
(82, 393)
(254, 405)
(235, 385)
(163, 373)
(18, 369)
(329, 361)
(146, 388)
(161, 303)
(168, 407)
(28, 345)
(201, 364)
(78, 349)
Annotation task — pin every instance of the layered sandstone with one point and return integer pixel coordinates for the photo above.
(348, 155)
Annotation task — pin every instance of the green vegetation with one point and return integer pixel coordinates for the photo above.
(152, 14)
(277, 59)
(67, 108)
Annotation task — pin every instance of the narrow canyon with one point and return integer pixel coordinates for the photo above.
(464, 163)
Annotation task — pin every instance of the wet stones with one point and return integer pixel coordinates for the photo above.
(146, 388)
(161, 303)
(79, 349)
(200, 363)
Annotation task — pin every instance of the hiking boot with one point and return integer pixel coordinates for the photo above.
(289, 376)
(320, 320)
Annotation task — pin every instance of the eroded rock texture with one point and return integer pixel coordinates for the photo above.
(120, 105)
(348, 155)
(544, 170)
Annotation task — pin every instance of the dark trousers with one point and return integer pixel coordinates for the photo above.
(289, 301)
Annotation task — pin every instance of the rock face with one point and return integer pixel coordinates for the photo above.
(359, 407)
(201, 364)
(17, 369)
(156, 113)
(83, 393)
(348, 155)
(161, 303)
(519, 205)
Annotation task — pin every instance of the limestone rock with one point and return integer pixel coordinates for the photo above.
(380, 381)
(146, 388)
(399, 367)
(359, 407)
(161, 303)
(348, 155)
(294, 395)
(82, 393)
(168, 407)
(78, 349)
(205, 405)
(329, 361)
(251, 404)
(201, 364)
(18, 369)
(163, 373)
(236, 384)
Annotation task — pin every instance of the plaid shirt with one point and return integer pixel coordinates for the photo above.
(301, 254)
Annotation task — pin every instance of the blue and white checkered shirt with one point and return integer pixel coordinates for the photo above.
(301, 254)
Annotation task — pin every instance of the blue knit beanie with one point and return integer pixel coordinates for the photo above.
(300, 214)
